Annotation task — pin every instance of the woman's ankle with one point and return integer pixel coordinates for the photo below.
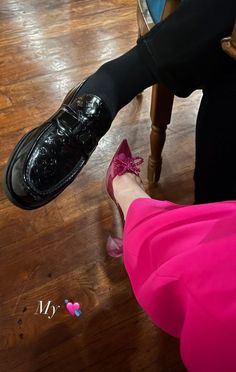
(126, 189)
(126, 183)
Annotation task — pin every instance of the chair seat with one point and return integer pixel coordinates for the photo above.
(156, 8)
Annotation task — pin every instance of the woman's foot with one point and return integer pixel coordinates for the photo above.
(128, 188)
(123, 185)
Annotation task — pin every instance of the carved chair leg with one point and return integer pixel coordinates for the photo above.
(161, 108)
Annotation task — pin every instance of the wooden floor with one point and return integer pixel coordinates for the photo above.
(58, 252)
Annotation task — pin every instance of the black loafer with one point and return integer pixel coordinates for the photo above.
(49, 157)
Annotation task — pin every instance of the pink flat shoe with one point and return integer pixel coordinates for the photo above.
(122, 162)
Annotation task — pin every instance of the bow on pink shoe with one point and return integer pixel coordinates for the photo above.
(122, 162)
(127, 165)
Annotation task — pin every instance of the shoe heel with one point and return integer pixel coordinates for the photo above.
(114, 245)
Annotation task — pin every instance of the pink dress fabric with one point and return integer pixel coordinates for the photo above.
(181, 261)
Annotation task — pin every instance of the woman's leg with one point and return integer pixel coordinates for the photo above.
(184, 51)
(128, 188)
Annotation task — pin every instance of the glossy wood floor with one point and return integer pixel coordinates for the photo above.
(58, 252)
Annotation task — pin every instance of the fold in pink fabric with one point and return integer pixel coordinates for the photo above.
(181, 261)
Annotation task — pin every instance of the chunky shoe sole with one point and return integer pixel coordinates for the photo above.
(6, 180)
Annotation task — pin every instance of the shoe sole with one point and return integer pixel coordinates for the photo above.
(7, 184)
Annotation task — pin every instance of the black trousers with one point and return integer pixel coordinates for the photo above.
(184, 53)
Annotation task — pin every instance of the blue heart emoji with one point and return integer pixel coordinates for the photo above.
(77, 312)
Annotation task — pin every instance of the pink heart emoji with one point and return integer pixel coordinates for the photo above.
(72, 307)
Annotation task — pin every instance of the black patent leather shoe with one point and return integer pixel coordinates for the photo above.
(49, 157)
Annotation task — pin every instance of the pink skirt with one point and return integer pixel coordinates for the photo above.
(181, 261)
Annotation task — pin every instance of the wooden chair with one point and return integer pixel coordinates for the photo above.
(150, 12)
(229, 44)
(162, 97)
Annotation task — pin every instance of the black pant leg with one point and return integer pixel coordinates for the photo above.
(184, 51)
(215, 170)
